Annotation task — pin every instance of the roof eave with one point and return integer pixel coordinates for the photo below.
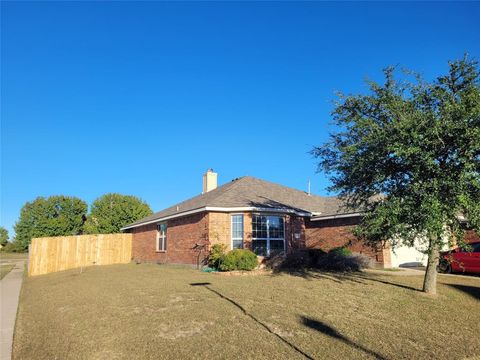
(336, 216)
(185, 213)
(220, 209)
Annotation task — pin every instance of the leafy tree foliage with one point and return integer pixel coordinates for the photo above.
(408, 153)
(52, 216)
(111, 212)
(3, 236)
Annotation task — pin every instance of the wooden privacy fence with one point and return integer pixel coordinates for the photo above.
(50, 254)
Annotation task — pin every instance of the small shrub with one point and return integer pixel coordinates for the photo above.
(299, 258)
(360, 261)
(295, 259)
(13, 247)
(238, 259)
(336, 261)
(216, 253)
(314, 255)
(342, 250)
(274, 262)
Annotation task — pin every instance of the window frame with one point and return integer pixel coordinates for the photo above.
(161, 237)
(268, 238)
(232, 239)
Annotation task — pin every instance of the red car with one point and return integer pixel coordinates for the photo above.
(461, 259)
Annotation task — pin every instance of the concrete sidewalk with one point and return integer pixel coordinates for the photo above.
(9, 292)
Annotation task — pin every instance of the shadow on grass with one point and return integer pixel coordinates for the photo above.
(330, 331)
(242, 309)
(402, 286)
(312, 274)
(340, 277)
(473, 291)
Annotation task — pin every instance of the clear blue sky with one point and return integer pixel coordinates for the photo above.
(141, 98)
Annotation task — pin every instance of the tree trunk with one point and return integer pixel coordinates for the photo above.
(430, 281)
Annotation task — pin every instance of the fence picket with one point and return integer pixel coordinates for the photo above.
(51, 254)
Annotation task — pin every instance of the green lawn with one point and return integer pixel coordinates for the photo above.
(163, 312)
(5, 269)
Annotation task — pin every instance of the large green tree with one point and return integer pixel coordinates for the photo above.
(3, 236)
(111, 212)
(52, 216)
(417, 145)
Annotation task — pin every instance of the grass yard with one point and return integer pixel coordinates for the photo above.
(5, 269)
(13, 256)
(165, 312)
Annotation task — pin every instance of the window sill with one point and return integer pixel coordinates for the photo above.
(160, 251)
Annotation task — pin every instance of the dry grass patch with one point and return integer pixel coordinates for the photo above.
(13, 256)
(5, 269)
(165, 312)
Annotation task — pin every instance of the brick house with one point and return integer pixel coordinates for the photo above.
(246, 213)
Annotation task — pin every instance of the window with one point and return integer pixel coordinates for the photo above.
(237, 231)
(268, 234)
(162, 237)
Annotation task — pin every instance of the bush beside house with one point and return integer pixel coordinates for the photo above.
(338, 259)
(237, 259)
(216, 253)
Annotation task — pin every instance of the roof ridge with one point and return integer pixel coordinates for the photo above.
(231, 183)
(290, 188)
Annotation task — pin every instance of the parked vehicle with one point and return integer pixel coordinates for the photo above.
(461, 259)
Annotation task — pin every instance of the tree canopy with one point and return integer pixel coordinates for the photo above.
(52, 216)
(417, 145)
(3, 236)
(111, 212)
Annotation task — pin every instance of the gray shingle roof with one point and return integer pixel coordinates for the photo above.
(248, 191)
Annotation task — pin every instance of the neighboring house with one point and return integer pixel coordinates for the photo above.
(253, 214)
(246, 213)
(405, 256)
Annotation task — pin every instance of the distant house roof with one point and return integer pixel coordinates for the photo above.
(249, 193)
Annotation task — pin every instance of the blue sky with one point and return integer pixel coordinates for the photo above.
(142, 97)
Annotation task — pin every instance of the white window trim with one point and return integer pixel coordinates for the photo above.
(162, 238)
(231, 230)
(268, 233)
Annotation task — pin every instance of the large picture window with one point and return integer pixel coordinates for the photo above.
(162, 237)
(268, 234)
(237, 231)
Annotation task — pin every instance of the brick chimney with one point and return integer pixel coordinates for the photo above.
(209, 181)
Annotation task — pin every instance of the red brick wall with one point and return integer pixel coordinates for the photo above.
(295, 232)
(330, 234)
(144, 244)
(471, 236)
(185, 232)
(182, 236)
